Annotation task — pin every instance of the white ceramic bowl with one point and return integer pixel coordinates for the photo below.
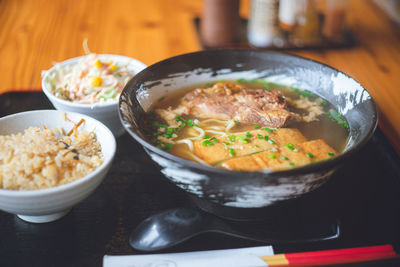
(47, 205)
(107, 113)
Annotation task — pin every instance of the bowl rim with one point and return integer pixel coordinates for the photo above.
(138, 65)
(73, 184)
(309, 168)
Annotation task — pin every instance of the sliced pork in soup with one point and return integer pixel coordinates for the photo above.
(229, 101)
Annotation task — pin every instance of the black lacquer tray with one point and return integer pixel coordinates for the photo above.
(364, 195)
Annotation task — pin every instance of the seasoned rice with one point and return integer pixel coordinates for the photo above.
(38, 159)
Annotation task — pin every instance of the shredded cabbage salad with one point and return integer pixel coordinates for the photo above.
(90, 81)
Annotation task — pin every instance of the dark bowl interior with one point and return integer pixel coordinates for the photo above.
(247, 189)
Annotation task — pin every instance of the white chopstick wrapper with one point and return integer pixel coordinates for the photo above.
(239, 257)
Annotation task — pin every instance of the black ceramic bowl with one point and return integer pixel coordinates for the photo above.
(235, 188)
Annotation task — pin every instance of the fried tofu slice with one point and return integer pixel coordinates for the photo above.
(245, 143)
(283, 157)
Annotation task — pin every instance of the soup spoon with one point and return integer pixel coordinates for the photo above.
(172, 227)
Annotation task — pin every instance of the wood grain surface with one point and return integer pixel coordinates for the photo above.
(35, 33)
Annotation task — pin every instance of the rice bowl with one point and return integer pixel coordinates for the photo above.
(45, 205)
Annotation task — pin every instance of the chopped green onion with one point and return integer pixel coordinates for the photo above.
(219, 162)
(266, 138)
(268, 129)
(260, 136)
(290, 146)
(302, 92)
(331, 154)
(337, 117)
(232, 152)
(257, 126)
(207, 143)
(237, 122)
(206, 136)
(291, 163)
(272, 142)
(243, 139)
(232, 137)
(214, 140)
(248, 134)
(285, 158)
(272, 156)
(309, 155)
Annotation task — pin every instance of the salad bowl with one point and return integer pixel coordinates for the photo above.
(105, 107)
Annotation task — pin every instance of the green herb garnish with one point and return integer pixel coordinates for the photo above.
(331, 154)
(232, 152)
(285, 158)
(260, 136)
(248, 134)
(214, 139)
(290, 146)
(302, 92)
(272, 156)
(206, 136)
(337, 117)
(268, 129)
(243, 139)
(232, 138)
(257, 126)
(272, 142)
(309, 155)
(207, 143)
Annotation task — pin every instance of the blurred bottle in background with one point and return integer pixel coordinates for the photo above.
(262, 28)
(307, 29)
(287, 14)
(220, 22)
(335, 19)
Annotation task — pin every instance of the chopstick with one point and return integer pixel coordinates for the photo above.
(336, 256)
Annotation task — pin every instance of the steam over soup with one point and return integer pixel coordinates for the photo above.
(247, 125)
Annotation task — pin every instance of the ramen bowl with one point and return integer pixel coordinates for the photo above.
(239, 189)
(106, 112)
(49, 204)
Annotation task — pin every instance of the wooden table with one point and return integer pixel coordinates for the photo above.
(35, 33)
